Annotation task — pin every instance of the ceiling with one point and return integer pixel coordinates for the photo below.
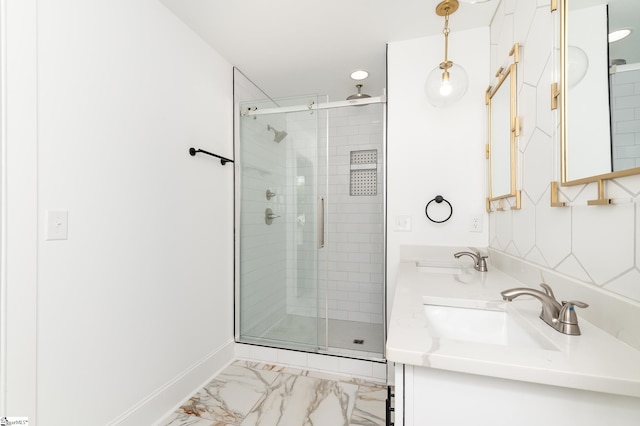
(300, 47)
(625, 14)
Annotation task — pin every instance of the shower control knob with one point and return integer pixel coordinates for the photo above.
(269, 216)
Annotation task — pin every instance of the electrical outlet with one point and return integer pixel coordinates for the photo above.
(475, 224)
(402, 223)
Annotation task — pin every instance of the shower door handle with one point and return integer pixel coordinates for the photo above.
(320, 222)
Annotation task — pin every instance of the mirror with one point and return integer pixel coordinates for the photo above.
(503, 129)
(599, 91)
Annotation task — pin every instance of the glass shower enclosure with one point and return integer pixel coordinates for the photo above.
(310, 227)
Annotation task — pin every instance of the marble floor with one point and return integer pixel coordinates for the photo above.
(256, 394)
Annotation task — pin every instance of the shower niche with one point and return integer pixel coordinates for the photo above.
(312, 280)
(364, 173)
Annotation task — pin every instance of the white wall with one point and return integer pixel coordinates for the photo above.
(134, 310)
(597, 245)
(435, 151)
(18, 270)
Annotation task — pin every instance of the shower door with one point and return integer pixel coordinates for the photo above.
(279, 201)
(310, 226)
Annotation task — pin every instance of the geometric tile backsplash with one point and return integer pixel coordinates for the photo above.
(598, 245)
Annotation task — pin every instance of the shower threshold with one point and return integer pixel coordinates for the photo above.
(298, 332)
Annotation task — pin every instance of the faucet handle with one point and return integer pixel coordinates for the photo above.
(548, 290)
(568, 314)
(568, 317)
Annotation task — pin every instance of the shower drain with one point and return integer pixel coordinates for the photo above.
(358, 341)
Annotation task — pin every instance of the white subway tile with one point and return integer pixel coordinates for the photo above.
(261, 353)
(323, 362)
(293, 358)
(379, 371)
(356, 367)
(359, 316)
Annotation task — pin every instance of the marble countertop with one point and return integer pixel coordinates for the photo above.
(594, 361)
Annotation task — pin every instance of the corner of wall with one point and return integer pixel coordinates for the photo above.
(153, 408)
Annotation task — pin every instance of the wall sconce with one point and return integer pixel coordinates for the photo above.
(448, 82)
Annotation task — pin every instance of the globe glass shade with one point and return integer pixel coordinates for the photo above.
(577, 65)
(442, 92)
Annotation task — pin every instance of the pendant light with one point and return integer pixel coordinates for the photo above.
(448, 82)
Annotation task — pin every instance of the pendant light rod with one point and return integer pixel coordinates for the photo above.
(446, 64)
(446, 8)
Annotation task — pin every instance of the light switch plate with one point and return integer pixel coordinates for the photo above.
(57, 225)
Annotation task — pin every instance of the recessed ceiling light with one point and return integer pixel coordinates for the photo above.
(619, 34)
(359, 75)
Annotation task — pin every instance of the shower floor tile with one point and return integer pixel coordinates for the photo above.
(248, 394)
(342, 333)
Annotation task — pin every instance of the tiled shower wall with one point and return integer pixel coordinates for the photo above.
(348, 274)
(303, 170)
(625, 116)
(352, 266)
(263, 271)
(598, 245)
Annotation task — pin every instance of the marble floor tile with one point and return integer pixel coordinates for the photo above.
(249, 393)
(304, 401)
(370, 409)
(181, 419)
(231, 395)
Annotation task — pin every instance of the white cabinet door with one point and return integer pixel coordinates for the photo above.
(426, 396)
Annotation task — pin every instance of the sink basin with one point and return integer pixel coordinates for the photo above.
(440, 267)
(492, 325)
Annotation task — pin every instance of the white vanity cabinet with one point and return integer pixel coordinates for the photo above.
(531, 375)
(427, 396)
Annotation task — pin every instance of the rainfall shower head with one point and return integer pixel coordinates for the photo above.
(278, 134)
(358, 95)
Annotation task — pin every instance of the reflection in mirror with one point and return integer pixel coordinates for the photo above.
(503, 130)
(500, 144)
(624, 74)
(600, 87)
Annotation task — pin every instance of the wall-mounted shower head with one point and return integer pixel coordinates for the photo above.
(278, 134)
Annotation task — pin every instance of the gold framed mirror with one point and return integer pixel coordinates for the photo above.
(599, 128)
(503, 129)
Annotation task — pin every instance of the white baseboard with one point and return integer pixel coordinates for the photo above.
(161, 403)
